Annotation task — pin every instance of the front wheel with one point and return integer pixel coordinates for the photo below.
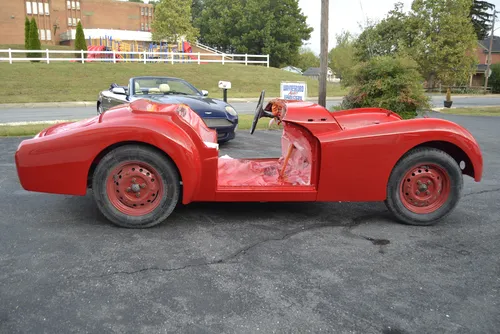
(424, 187)
(136, 186)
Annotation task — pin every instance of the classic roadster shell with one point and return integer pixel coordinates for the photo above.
(143, 158)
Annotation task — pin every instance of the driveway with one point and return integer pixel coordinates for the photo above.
(251, 268)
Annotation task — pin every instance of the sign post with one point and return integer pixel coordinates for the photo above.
(296, 91)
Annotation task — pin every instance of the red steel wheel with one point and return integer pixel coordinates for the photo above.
(425, 188)
(134, 188)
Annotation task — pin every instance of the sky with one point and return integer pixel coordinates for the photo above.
(348, 15)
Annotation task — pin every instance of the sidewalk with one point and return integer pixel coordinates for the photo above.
(94, 103)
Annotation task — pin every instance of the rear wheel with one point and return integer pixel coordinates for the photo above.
(424, 187)
(136, 186)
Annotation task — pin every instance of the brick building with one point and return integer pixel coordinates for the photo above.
(57, 19)
(482, 55)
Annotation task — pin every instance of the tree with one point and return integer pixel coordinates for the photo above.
(388, 82)
(196, 9)
(481, 18)
(445, 44)
(34, 40)
(494, 80)
(80, 43)
(387, 36)
(342, 56)
(274, 27)
(27, 35)
(307, 58)
(172, 21)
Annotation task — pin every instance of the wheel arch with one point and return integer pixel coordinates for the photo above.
(456, 152)
(111, 147)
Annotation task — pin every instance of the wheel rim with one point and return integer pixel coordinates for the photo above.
(425, 188)
(134, 188)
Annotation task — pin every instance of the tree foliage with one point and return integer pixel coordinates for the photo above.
(172, 21)
(445, 43)
(274, 27)
(80, 43)
(34, 40)
(494, 80)
(26, 33)
(307, 58)
(481, 18)
(342, 57)
(388, 82)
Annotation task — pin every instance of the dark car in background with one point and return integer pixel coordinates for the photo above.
(217, 114)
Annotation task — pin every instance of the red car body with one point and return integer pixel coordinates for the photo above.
(344, 156)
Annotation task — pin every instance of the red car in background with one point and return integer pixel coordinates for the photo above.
(143, 158)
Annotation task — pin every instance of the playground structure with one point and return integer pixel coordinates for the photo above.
(108, 43)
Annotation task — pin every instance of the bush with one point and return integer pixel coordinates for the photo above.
(27, 35)
(387, 82)
(80, 43)
(494, 80)
(34, 41)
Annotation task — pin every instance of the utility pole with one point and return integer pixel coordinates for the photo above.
(324, 53)
(488, 62)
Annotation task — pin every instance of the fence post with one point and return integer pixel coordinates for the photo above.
(246, 59)
(47, 53)
(223, 59)
(144, 56)
(172, 58)
(83, 61)
(114, 57)
(199, 58)
(268, 60)
(10, 56)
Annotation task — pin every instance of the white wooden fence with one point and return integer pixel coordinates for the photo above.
(143, 57)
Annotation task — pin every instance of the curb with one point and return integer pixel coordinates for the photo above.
(93, 103)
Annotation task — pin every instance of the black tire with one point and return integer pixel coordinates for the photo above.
(164, 170)
(396, 198)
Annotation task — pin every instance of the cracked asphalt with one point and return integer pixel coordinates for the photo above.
(255, 267)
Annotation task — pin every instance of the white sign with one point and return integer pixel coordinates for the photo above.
(293, 91)
(225, 84)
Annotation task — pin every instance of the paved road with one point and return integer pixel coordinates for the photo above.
(249, 268)
(44, 114)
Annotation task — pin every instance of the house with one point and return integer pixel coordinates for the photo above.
(313, 72)
(292, 69)
(482, 55)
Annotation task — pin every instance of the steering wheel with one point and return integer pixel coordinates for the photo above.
(260, 112)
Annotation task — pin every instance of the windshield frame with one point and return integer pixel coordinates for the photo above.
(133, 80)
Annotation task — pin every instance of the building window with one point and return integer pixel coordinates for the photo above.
(68, 4)
(73, 5)
(78, 5)
(40, 8)
(47, 12)
(142, 11)
(69, 21)
(35, 8)
(28, 7)
(74, 21)
(142, 26)
(48, 35)
(42, 35)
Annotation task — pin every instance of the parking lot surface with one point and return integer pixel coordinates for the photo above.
(250, 268)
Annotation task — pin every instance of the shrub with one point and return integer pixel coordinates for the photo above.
(387, 82)
(34, 41)
(80, 43)
(27, 35)
(494, 80)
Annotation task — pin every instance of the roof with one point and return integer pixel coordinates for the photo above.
(485, 44)
(292, 68)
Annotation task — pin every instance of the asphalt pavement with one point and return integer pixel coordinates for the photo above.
(34, 113)
(251, 268)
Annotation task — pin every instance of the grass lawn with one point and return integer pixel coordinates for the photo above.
(479, 111)
(63, 81)
(245, 122)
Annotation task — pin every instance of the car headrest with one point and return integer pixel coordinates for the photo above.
(164, 88)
